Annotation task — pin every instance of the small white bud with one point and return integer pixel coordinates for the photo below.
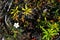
(45, 10)
(2, 38)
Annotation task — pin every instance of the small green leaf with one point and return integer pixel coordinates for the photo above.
(44, 36)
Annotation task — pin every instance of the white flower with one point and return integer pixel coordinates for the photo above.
(45, 10)
(16, 25)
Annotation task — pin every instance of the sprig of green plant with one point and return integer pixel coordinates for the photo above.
(48, 33)
(27, 11)
(14, 12)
